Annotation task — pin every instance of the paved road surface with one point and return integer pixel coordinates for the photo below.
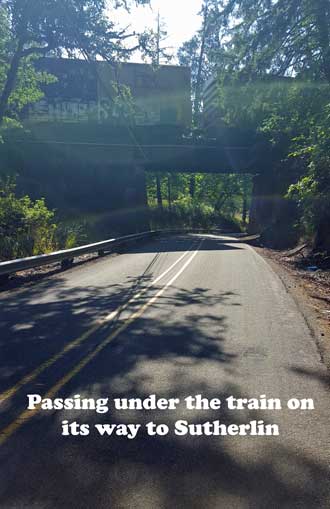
(179, 316)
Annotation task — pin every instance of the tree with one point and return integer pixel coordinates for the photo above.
(74, 27)
(152, 41)
(274, 73)
(26, 227)
(28, 80)
(197, 53)
(201, 63)
(284, 37)
(157, 52)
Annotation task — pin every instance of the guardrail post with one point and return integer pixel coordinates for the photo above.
(66, 264)
(66, 257)
(4, 279)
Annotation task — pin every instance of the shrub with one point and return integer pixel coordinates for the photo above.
(27, 227)
(188, 213)
(71, 235)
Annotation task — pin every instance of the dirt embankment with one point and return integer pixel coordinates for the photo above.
(310, 287)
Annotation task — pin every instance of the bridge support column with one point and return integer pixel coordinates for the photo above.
(262, 205)
(135, 199)
(271, 214)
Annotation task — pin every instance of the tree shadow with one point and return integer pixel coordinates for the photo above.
(160, 245)
(159, 472)
(36, 328)
(172, 354)
(179, 347)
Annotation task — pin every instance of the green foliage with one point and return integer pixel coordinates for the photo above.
(123, 106)
(29, 30)
(217, 200)
(74, 26)
(304, 118)
(26, 88)
(304, 193)
(26, 227)
(272, 59)
(283, 37)
(152, 44)
(29, 228)
(201, 51)
(187, 213)
(70, 235)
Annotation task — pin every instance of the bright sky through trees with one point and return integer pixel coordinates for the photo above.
(180, 17)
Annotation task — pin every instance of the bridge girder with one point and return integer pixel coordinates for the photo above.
(157, 150)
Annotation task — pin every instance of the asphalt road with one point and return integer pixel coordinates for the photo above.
(177, 317)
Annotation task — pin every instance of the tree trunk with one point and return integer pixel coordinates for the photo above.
(322, 238)
(198, 89)
(265, 201)
(159, 192)
(322, 21)
(169, 192)
(10, 81)
(192, 186)
(245, 198)
(220, 203)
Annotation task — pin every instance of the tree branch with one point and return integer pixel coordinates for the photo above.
(36, 49)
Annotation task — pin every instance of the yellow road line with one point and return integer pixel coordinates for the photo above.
(25, 416)
(76, 342)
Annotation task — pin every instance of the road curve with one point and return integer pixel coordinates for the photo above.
(178, 316)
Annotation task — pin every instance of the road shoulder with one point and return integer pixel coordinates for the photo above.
(311, 293)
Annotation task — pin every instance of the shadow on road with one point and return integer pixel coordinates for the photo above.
(162, 245)
(171, 355)
(179, 348)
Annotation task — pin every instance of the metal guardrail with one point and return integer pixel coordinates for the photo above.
(239, 237)
(67, 256)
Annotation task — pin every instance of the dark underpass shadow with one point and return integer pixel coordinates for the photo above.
(159, 245)
(178, 243)
(171, 354)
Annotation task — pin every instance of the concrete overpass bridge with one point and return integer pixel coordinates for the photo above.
(154, 148)
(103, 168)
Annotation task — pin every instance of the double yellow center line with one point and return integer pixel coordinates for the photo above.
(28, 414)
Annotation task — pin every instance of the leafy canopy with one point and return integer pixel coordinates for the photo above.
(74, 28)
